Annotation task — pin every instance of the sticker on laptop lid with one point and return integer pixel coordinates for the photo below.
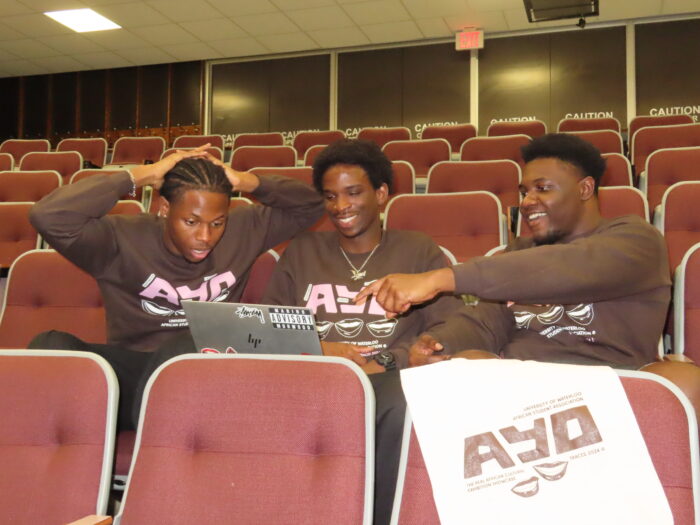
(292, 319)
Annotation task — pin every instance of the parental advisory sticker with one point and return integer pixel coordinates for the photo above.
(292, 319)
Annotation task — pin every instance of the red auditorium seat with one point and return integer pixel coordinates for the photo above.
(588, 124)
(7, 162)
(645, 121)
(17, 235)
(248, 157)
(27, 186)
(648, 140)
(58, 412)
(455, 135)
(302, 173)
(686, 301)
(258, 139)
(213, 151)
(69, 300)
(467, 224)
(18, 147)
(137, 150)
(127, 207)
(618, 171)
(404, 178)
(421, 154)
(381, 136)
(678, 218)
(261, 439)
(531, 128)
(665, 167)
(259, 276)
(500, 177)
(312, 153)
(666, 421)
(194, 141)
(65, 163)
(305, 139)
(613, 201)
(495, 148)
(607, 141)
(93, 149)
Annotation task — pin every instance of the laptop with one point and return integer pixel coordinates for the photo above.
(252, 328)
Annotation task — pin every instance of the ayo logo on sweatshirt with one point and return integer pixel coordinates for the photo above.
(162, 298)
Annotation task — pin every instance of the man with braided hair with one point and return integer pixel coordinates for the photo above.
(145, 265)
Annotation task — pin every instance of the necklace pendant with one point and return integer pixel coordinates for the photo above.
(357, 275)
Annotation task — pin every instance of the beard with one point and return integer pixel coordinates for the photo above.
(551, 237)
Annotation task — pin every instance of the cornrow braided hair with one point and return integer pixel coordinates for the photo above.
(194, 174)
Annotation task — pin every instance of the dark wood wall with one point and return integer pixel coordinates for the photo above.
(163, 100)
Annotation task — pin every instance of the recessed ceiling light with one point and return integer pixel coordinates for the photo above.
(82, 20)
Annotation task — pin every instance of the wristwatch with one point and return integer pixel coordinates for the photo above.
(386, 359)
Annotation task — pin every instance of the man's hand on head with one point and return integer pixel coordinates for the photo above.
(397, 292)
(152, 174)
(240, 180)
(426, 350)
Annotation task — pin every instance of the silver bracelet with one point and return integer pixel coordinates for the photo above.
(132, 193)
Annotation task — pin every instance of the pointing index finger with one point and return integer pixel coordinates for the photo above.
(368, 290)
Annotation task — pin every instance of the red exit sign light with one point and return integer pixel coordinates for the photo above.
(465, 40)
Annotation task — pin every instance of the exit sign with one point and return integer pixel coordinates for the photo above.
(469, 40)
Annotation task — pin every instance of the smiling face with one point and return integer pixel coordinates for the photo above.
(556, 201)
(353, 204)
(194, 223)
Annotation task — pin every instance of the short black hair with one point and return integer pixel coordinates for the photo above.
(194, 174)
(364, 153)
(567, 148)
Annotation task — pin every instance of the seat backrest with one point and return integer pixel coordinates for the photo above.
(17, 235)
(500, 177)
(266, 439)
(305, 139)
(648, 140)
(531, 128)
(645, 121)
(27, 186)
(666, 421)
(245, 158)
(127, 207)
(381, 136)
(66, 163)
(455, 135)
(194, 141)
(618, 171)
(137, 150)
(7, 162)
(213, 151)
(92, 149)
(312, 153)
(606, 140)
(258, 139)
(421, 154)
(58, 412)
(404, 178)
(588, 124)
(495, 148)
(680, 219)
(667, 166)
(686, 305)
(19, 147)
(259, 276)
(468, 223)
(69, 300)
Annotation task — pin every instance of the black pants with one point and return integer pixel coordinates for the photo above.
(133, 369)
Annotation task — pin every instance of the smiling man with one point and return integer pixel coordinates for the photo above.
(582, 289)
(145, 265)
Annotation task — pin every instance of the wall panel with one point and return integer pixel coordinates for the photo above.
(153, 96)
(186, 94)
(121, 100)
(92, 86)
(36, 96)
(9, 108)
(63, 95)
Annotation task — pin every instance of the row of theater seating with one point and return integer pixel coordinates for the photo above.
(137, 150)
(250, 439)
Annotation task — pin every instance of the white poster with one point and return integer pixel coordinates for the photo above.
(509, 441)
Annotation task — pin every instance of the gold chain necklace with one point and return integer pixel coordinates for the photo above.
(358, 273)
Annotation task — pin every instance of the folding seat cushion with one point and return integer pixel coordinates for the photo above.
(606, 141)
(645, 121)
(421, 154)
(531, 128)
(258, 139)
(648, 140)
(312, 153)
(588, 124)
(686, 305)
(259, 276)
(618, 171)
(305, 139)
(679, 220)
(667, 166)
(495, 148)
(137, 150)
(7, 162)
(66, 163)
(455, 135)
(194, 141)
(19, 147)
(93, 150)
(27, 186)
(17, 235)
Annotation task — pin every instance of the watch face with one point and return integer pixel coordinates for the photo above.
(386, 359)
